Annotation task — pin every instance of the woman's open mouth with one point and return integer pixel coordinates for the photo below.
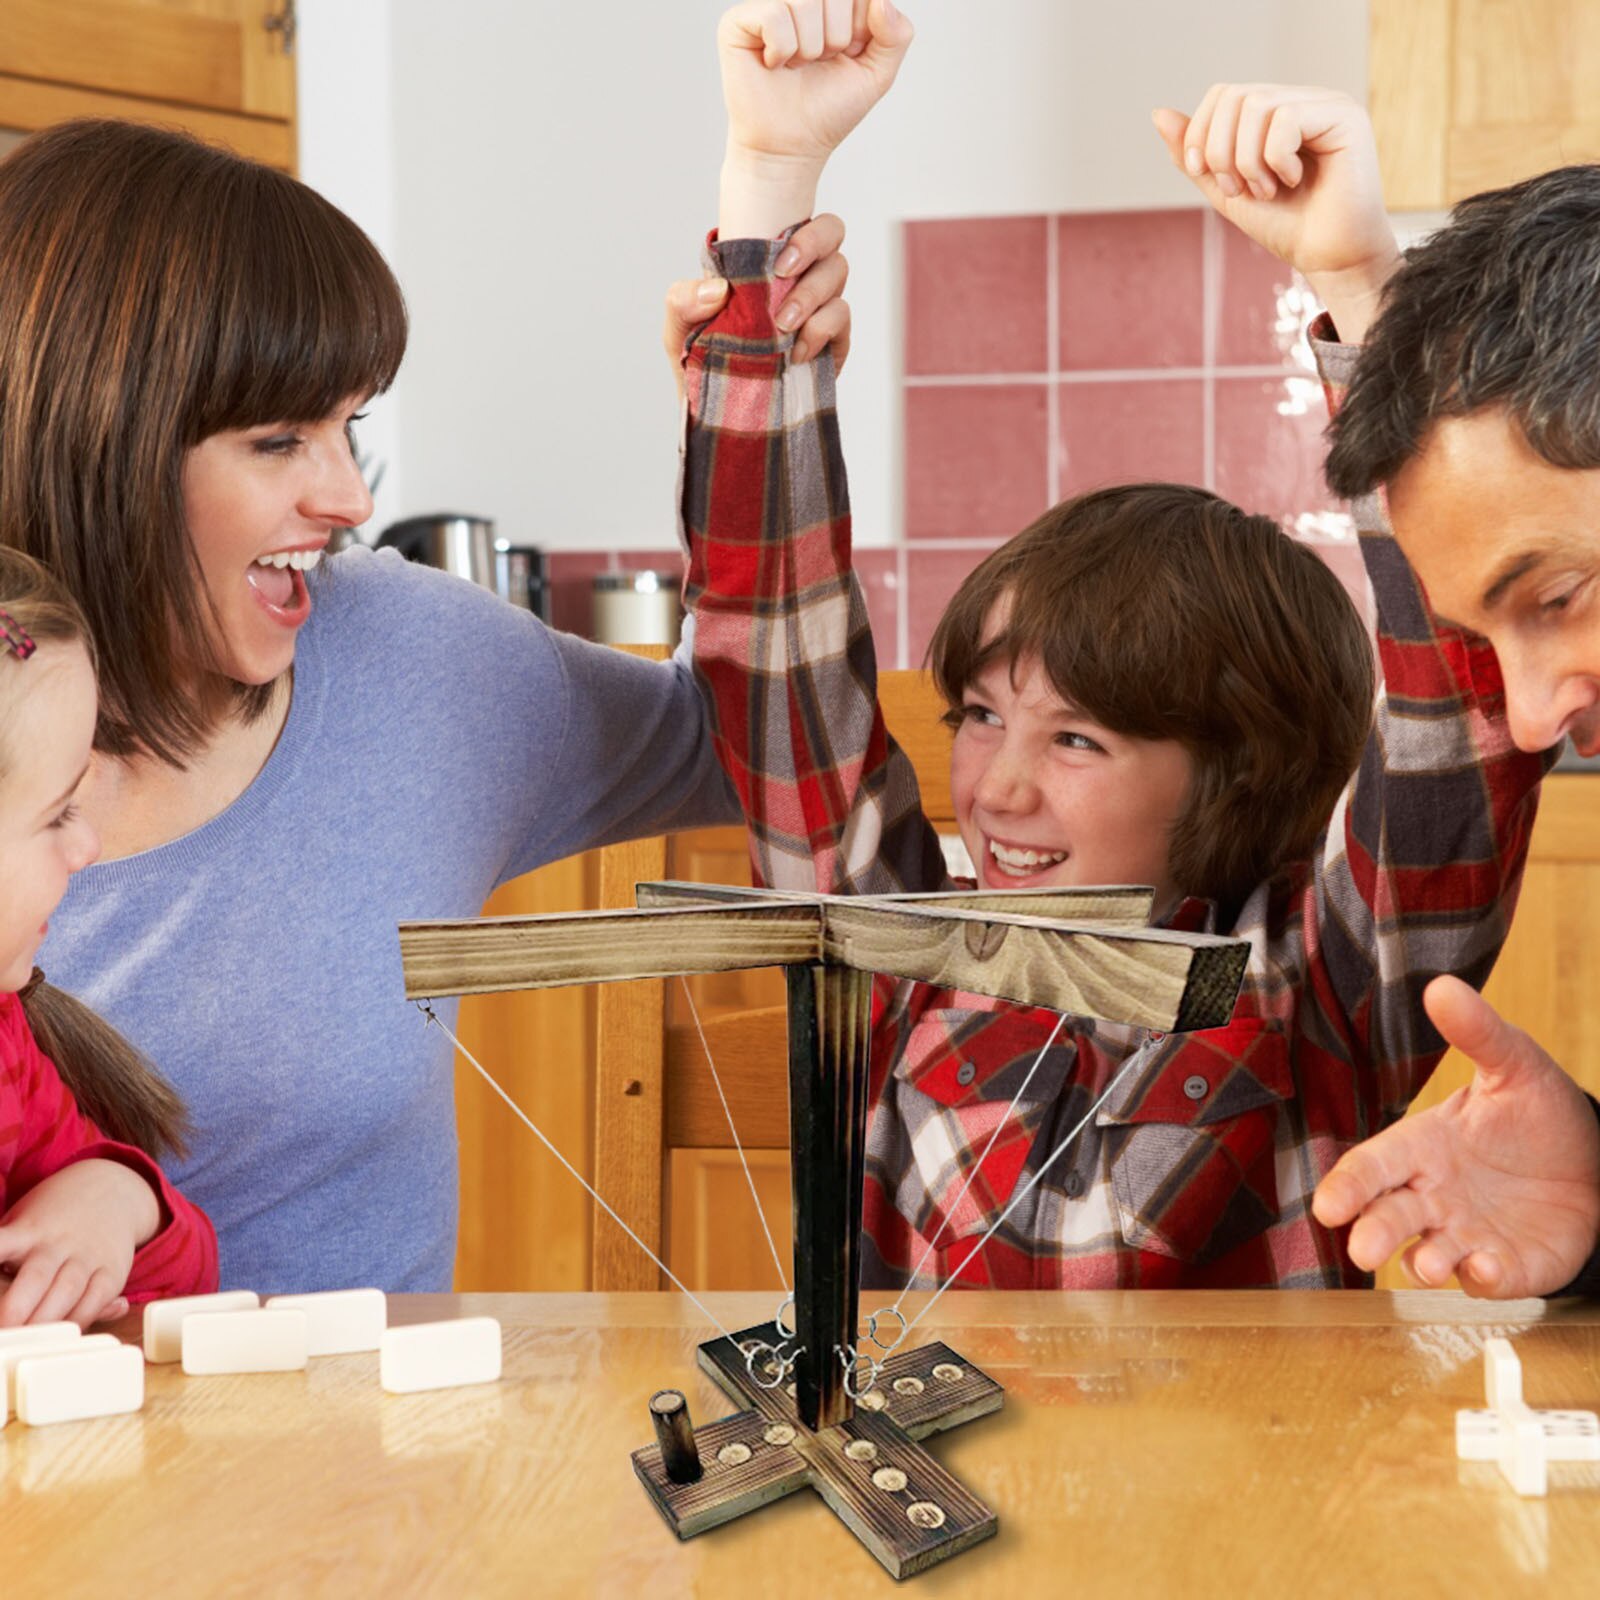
(279, 583)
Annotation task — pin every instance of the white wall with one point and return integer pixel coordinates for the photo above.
(551, 168)
(345, 88)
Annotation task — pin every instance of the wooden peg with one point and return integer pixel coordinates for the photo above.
(669, 1411)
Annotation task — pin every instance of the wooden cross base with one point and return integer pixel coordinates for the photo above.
(895, 1498)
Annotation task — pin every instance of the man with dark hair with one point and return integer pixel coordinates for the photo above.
(1474, 407)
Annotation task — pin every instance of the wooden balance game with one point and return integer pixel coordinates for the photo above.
(816, 1409)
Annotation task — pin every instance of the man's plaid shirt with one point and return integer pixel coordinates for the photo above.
(1199, 1169)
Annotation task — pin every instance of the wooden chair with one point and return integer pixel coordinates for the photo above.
(653, 1090)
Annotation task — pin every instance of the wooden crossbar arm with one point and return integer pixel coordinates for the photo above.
(1148, 977)
(1175, 982)
(1116, 906)
(478, 955)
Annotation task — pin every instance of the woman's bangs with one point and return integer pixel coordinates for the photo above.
(312, 316)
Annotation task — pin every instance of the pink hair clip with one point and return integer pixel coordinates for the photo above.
(14, 638)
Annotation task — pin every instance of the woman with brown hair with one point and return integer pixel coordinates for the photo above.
(295, 752)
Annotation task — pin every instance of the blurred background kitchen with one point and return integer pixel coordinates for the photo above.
(1039, 307)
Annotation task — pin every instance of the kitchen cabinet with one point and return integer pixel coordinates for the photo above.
(1468, 95)
(223, 69)
(525, 1224)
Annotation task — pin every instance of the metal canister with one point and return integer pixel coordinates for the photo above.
(636, 608)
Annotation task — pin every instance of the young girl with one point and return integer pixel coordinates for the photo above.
(1147, 686)
(88, 1224)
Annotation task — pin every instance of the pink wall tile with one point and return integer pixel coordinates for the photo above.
(932, 576)
(1269, 445)
(879, 572)
(1130, 286)
(975, 296)
(571, 572)
(1262, 306)
(976, 460)
(1123, 432)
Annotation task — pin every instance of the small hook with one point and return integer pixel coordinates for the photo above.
(785, 1364)
(850, 1359)
(777, 1321)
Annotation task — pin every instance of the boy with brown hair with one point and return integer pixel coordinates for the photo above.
(1146, 686)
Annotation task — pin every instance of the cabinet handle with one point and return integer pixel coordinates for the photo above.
(282, 22)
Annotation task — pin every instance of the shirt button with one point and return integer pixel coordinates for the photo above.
(965, 1073)
(1074, 1186)
(1195, 1087)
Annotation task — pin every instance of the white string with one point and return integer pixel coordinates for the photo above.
(1020, 1196)
(955, 1206)
(993, 1228)
(749, 1177)
(433, 1021)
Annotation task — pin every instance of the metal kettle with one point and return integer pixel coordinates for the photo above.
(467, 546)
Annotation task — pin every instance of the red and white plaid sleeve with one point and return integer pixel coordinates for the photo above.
(782, 643)
(1421, 864)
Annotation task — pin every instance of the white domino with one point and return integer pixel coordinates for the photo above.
(340, 1322)
(70, 1385)
(11, 1359)
(163, 1319)
(439, 1355)
(15, 1343)
(34, 1332)
(1520, 1440)
(243, 1341)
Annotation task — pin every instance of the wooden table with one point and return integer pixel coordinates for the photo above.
(1151, 1444)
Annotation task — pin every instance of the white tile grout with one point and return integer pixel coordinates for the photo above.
(980, 380)
(1210, 315)
(1052, 358)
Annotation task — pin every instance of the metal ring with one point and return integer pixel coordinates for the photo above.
(872, 1327)
(777, 1322)
(850, 1359)
(755, 1347)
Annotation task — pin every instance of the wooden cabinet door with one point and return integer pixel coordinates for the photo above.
(715, 1239)
(1468, 95)
(525, 1223)
(218, 67)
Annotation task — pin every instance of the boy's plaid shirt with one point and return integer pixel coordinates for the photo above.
(1199, 1169)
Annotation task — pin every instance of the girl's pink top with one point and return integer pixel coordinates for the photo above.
(42, 1131)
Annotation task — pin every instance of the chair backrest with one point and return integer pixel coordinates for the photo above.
(653, 1093)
